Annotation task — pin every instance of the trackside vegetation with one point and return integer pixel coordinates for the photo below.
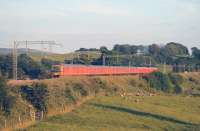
(6, 99)
(175, 55)
(55, 96)
(169, 83)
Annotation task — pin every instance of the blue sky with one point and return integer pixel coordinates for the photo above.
(92, 23)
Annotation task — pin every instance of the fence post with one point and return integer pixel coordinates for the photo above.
(42, 115)
(33, 115)
(5, 123)
(20, 123)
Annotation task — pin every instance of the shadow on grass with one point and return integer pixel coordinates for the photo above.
(146, 114)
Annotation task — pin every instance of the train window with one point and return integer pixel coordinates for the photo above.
(56, 69)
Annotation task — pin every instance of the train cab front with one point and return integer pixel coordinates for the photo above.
(56, 71)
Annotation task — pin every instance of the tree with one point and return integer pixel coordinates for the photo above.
(6, 65)
(123, 49)
(196, 53)
(29, 66)
(104, 50)
(47, 63)
(175, 49)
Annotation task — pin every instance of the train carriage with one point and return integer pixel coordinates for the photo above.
(79, 70)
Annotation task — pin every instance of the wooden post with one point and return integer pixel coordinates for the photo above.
(5, 123)
(42, 115)
(20, 123)
(33, 115)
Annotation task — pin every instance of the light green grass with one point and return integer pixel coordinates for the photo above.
(62, 57)
(54, 57)
(114, 113)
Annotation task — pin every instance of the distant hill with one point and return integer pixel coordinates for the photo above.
(5, 51)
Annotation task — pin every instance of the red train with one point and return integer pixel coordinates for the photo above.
(79, 70)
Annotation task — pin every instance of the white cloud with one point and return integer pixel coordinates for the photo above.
(104, 10)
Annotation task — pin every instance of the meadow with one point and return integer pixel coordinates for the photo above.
(107, 113)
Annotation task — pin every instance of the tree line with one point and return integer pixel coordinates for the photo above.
(174, 54)
(27, 67)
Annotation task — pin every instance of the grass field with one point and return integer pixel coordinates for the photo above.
(115, 113)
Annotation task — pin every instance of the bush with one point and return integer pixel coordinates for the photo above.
(98, 85)
(6, 100)
(176, 79)
(177, 89)
(160, 81)
(79, 88)
(70, 95)
(36, 94)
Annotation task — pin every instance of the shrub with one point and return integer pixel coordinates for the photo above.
(79, 88)
(99, 85)
(160, 81)
(177, 89)
(176, 79)
(69, 95)
(6, 100)
(36, 94)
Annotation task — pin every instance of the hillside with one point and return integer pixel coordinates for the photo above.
(6, 51)
(64, 94)
(65, 56)
(133, 111)
(124, 114)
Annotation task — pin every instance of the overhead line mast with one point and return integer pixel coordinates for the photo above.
(26, 43)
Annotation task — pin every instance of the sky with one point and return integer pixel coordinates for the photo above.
(94, 23)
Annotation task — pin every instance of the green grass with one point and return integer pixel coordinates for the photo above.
(114, 113)
(62, 57)
(55, 57)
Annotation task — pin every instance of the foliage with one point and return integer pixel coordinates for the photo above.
(174, 49)
(36, 94)
(178, 89)
(47, 63)
(196, 52)
(104, 50)
(79, 88)
(176, 79)
(6, 100)
(85, 49)
(170, 83)
(99, 85)
(69, 95)
(160, 81)
(29, 66)
(82, 59)
(128, 49)
(6, 66)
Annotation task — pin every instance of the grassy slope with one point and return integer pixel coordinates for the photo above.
(62, 57)
(191, 83)
(57, 101)
(117, 113)
(56, 57)
(57, 98)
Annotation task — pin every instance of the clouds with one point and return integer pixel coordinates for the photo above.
(125, 20)
(103, 10)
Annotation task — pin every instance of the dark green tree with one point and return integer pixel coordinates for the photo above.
(36, 94)
(29, 66)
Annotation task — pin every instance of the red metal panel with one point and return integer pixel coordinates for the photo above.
(97, 70)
